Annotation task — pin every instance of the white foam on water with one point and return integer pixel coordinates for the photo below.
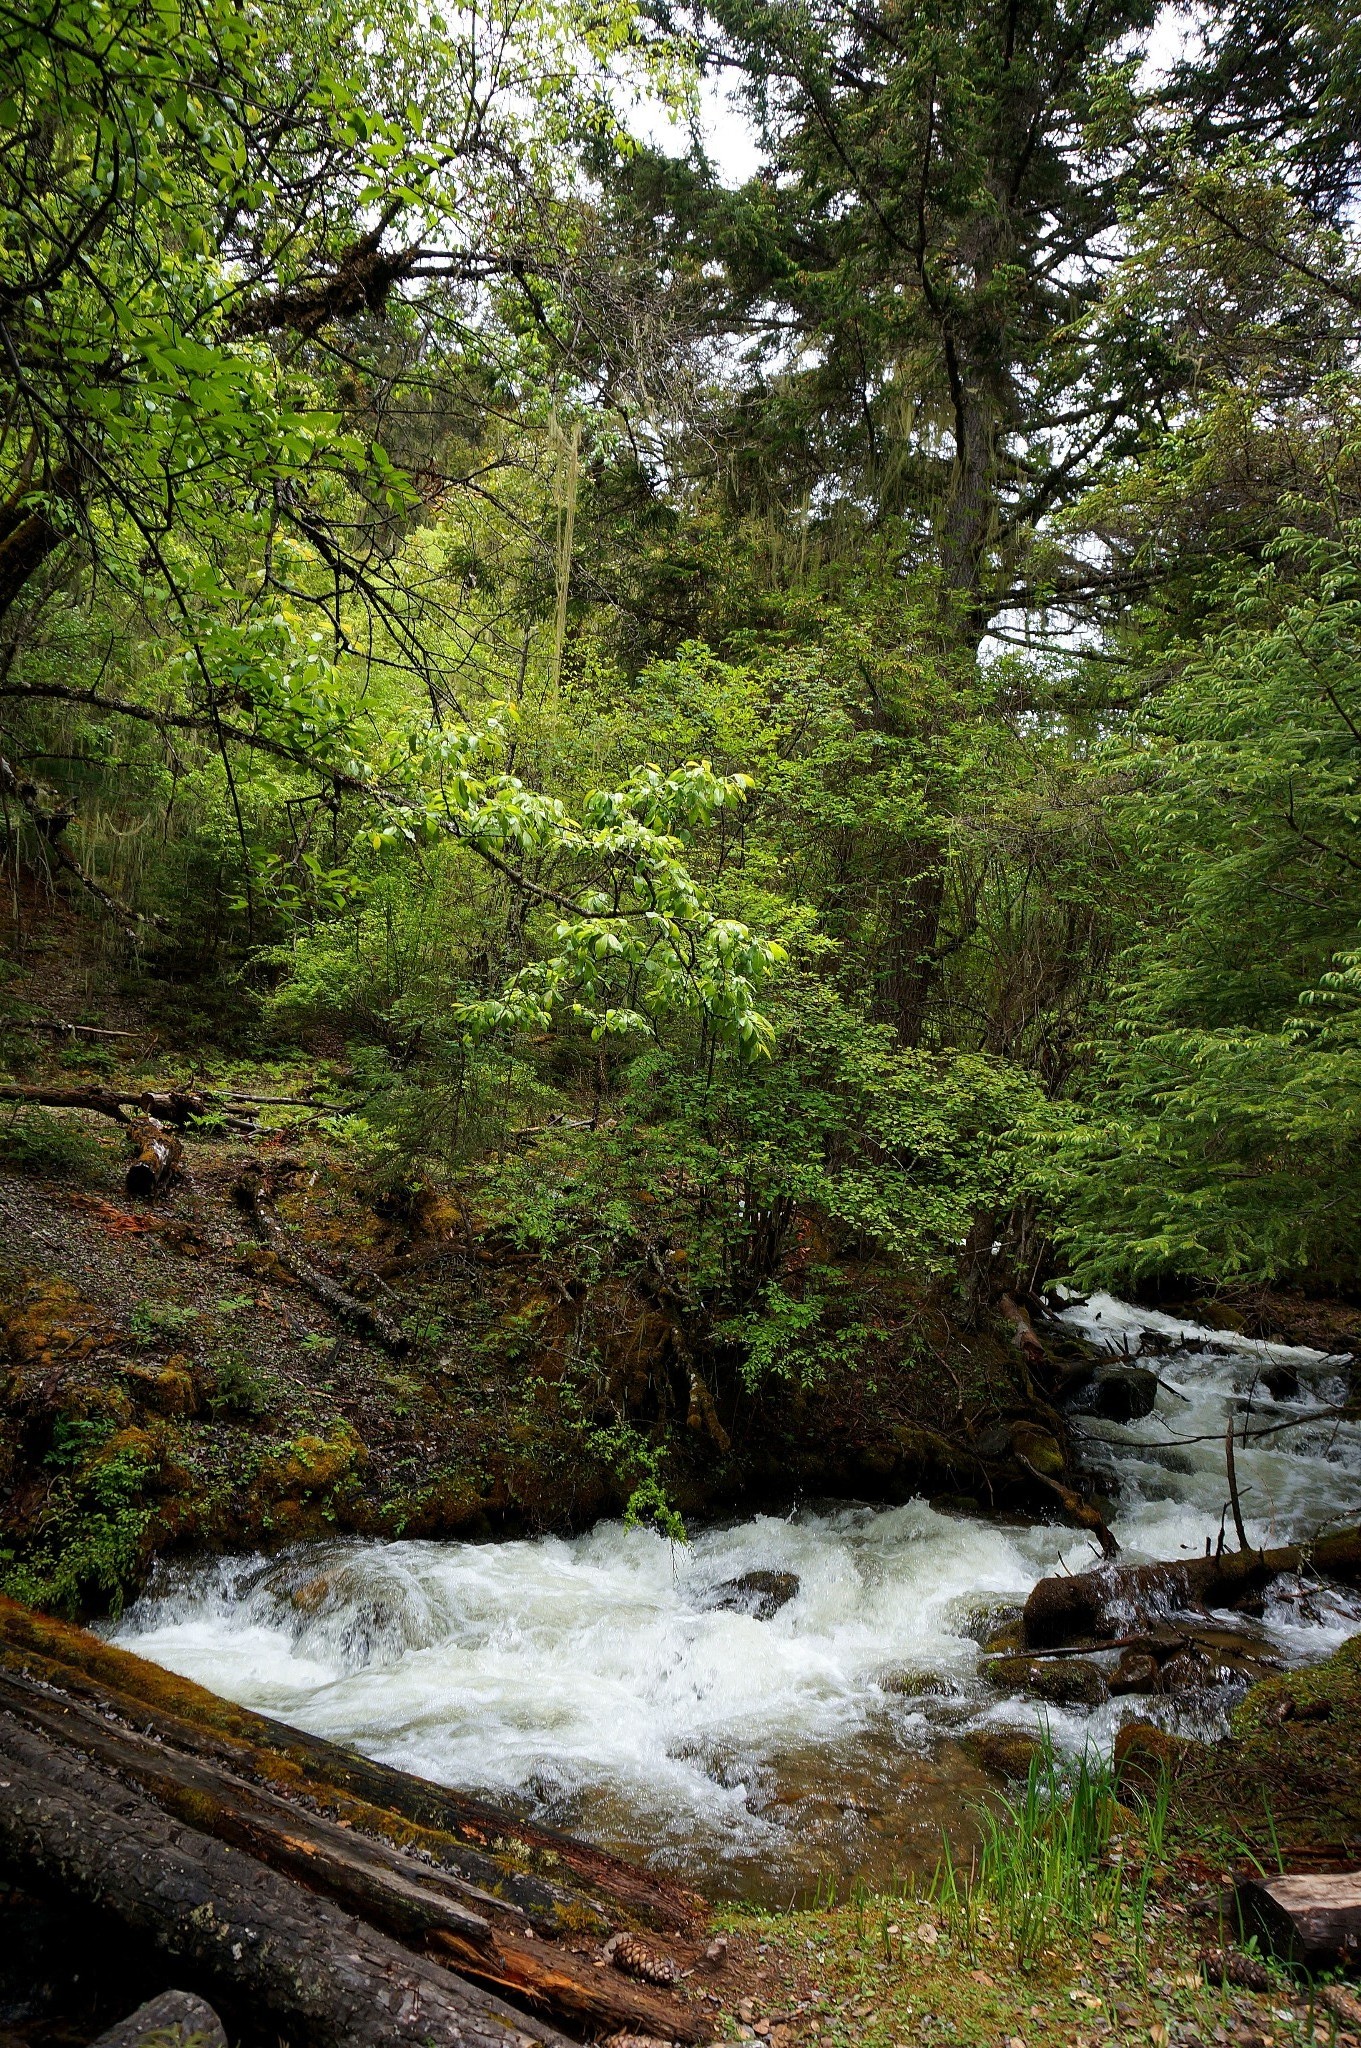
(593, 1680)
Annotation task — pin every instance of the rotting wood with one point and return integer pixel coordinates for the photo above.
(356, 1873)
(1312, 1921)
(597, 2001)
(234, 1930)
(101, 1101)
(254, 1196)
(1105, 1602)
(547, 1854)
(156, 1159)
(404, 1897)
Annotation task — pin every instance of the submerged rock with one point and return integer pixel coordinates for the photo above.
(1062, 1681)
(1007, 1752)
(916, 1685)
(759, 1594)
(1137, 1671)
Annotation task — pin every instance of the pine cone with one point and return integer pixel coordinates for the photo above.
(636, 1959)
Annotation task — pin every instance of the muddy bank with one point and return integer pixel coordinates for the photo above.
(172, 1384)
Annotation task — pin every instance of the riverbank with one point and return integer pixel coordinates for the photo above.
(282, 1340)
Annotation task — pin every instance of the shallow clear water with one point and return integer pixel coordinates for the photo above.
(592, 1681)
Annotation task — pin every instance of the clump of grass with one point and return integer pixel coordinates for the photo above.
(50, 1147)
(1057, 1864)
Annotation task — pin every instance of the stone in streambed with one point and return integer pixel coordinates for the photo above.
(1006, 1752)
(1039, 1449)
(1145, 1754)
(1062, 1681)
(1282, 1382)
(1137, 1671)
(759, 1594)
(916, 1685)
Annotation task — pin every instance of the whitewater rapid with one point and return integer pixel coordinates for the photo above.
(595, 1682)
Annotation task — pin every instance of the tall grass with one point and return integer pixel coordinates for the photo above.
(1062, 1861)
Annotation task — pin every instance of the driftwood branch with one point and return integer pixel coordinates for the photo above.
(1234, 1501)
(257, 1861)
(254, 1196)
(1076, 1508)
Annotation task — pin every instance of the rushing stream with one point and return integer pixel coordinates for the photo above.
(620, 1686)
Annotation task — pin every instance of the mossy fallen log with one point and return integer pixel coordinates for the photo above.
(391, 1891)
(491, 1883)
(232, 1928)
(1111, 1601)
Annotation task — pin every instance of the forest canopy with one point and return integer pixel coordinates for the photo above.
(842, 692)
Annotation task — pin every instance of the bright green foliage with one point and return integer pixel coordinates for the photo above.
(822, 719)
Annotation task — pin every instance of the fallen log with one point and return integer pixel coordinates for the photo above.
(157, 1156)
(1112, 1601)
(157, 1151)
(174, 2020)
(100, 1101)
(545, 1853)
(232, 1929)
(1314, 1922)
(389, 1889)
(253, 1197)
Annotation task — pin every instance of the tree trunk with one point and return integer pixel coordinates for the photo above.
(233, 1930)
(420, 1906)
(485, 1880)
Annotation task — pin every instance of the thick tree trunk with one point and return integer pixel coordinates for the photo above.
(486, 1881)
(485, 1938)
(233, 1930)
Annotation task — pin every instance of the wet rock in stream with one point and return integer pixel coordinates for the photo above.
(759, 1594)
(1061, 1681)
(1007, 1752)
